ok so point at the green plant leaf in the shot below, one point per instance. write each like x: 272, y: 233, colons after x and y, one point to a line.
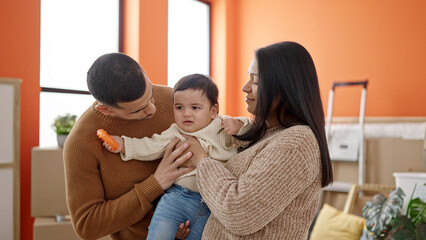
x: 64, y: 123
x: 417, y: 211
x: 404, y: 229
x: 421, y: 231
x: 380, y: 211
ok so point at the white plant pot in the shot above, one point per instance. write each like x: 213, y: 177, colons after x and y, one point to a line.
x: 61, y: 139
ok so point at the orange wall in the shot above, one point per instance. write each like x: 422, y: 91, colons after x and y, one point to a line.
x: 153, y: 39
x: 20, y: 58
x: 381, y: 40
x: 145, y: 36
x: 130, y: 29
x: 218, y: 58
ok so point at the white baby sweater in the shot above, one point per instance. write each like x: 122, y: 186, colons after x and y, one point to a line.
x: 217, y: 144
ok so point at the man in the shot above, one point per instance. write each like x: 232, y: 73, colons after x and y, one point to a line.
x: 105, y: 195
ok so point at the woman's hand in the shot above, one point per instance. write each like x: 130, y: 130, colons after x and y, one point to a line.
x: 195, y: 148
x: 167, y: 171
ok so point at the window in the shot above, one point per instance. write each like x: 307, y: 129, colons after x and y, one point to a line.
x: 189, y: 39
x: 73, y: 34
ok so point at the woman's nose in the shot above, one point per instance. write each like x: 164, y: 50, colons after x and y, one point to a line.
x: 246, y: 87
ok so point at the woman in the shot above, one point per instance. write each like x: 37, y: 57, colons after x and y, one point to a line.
x: 271, y: 189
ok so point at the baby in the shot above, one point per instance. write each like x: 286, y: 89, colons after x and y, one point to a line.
x: 196, y: 114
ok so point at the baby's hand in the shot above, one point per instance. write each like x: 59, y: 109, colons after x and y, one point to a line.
x: 231, y: 126
x: 120, y: 142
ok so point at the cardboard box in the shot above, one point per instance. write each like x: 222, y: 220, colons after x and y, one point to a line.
x: 47, y: 183
x: 46, y: 228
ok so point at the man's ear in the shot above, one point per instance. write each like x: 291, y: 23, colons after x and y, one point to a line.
x: 214, y: 111
x: 104, y: 109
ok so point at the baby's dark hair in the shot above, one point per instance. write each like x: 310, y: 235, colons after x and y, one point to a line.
x: 198, y: 82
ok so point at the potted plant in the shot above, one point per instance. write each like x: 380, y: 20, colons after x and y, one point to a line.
x: 62, y: 126
x: 385, y: 221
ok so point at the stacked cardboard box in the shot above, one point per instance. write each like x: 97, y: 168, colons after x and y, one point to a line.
x: 48, y: 228
x: 48, y: 197
x: 47, y: 183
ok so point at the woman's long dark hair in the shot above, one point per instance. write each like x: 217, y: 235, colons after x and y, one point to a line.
x: 287, y: 72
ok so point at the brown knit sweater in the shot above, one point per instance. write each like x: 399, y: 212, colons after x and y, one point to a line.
x: 269, y: 191
x: 106, y: 195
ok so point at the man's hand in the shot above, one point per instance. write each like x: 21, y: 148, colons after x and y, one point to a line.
x: 231, y: 126
x: 167, y: 171
x: 195, y: 148
x: 183, y: 230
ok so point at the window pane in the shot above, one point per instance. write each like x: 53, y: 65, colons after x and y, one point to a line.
x: 54, y: 104
x: 73, y: 34
x: 189, y: 39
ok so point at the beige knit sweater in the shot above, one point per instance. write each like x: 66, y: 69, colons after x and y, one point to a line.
x: 269, y: 191
x: 106, y: 195
x: 216, y: 143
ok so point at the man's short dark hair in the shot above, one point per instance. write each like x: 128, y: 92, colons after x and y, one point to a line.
x: 198, y: 82
x: 114, y: 78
